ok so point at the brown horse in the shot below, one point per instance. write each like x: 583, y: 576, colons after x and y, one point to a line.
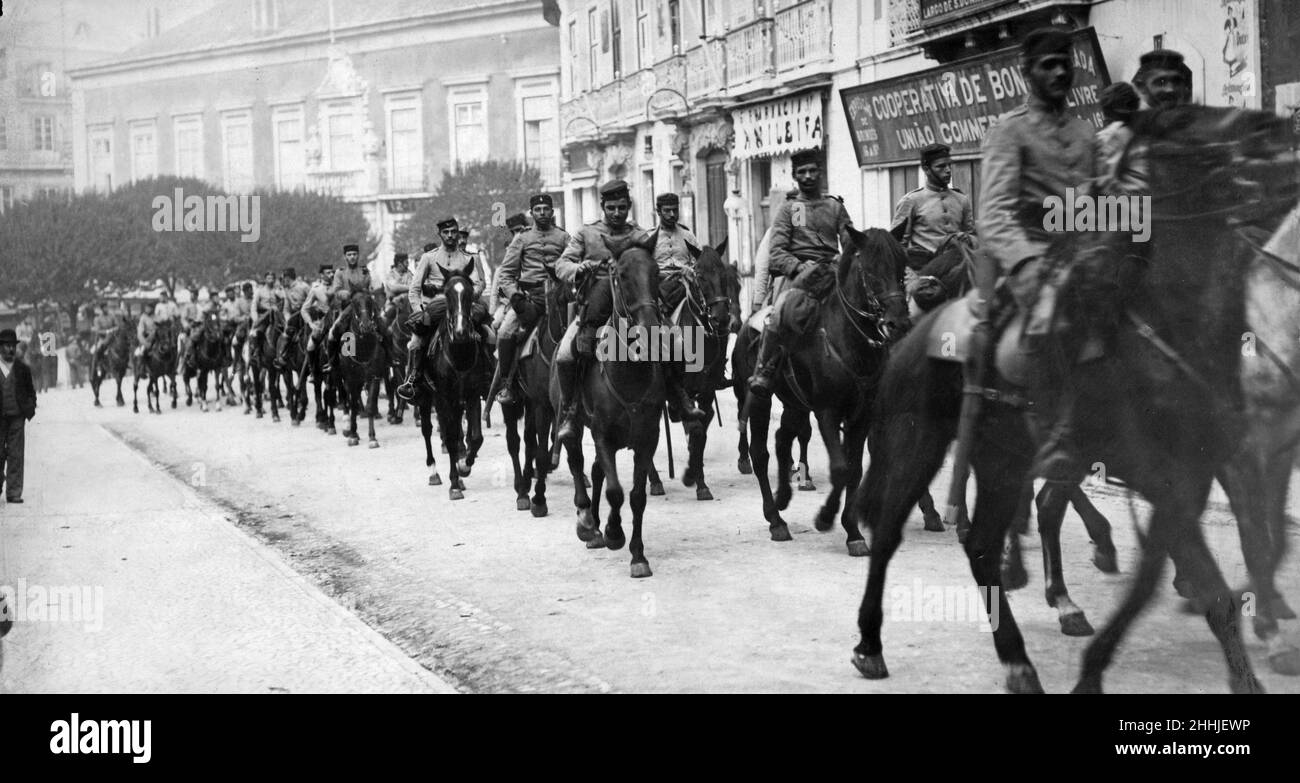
x: 207, y: 356
x: 159, y: 361
x: 1160, y: 407
x: 833, y: 373
x: 112, y: 360
x: 363, y: 364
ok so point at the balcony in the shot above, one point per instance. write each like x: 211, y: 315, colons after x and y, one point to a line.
x: 337, y: 183
x: 904, y: 19
x: 750, y: 55
x: 636, y: 89
x: 605, y: 108
x: 669, y: 74
x: 706, y: 71
x: 803, y: 35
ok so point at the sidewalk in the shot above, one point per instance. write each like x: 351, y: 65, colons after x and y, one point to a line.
x: 169, y: 596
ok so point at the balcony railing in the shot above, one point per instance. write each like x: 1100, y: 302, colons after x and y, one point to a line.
x: 749, y: 53
x: 337, y: 183
x: 549, y: 168
x: 904, y: 18
x: 803, y: 34
x: 669, y: 74
x: 706, y: 70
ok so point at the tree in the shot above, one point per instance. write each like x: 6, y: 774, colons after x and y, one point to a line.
x: 297, y: 229
x: 481, y: 195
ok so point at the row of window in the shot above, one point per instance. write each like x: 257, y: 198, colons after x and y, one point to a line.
x: 42, y: 134
x: 337, y: 146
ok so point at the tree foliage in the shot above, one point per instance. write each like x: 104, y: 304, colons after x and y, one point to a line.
x: 481, y: 195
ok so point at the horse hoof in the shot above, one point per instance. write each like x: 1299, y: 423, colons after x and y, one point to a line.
x: 121, y: 403
x: 354, y: 441
x: 1014, y: 577
x: 374, y: 444
x: 247, y: 411
x: 1285, y: 662
x: 463, y: 467
x: 275, y: 419
x: 435, y: 480
x: 823, y: 521
x: 135, y: 408
x: 807, y: 485
x: 615, y: 542
x: 858, y: 548
x: 870, y: 666
x: 780, y: 532
x: 745, y: 467
x: 1105, y: 561
x: 703, y: 493
x: 688, y: 478
x: 657, y: 489
x: 934, y: 523
x: 330, y: 431
x: 1076, y: 624
x: 597, y: 541
x: 538, y: 510
x: 296, y: 422
x: 456, y: 494
x: 641, y: 570
x: 98, y: 404
x: 522, y: 504
x: 1021, y: 678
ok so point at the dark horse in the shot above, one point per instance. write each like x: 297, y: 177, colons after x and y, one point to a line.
x: 705, y: 315
x: 261, y: 364
x: 532, y: 379
x: 1159, y: 408
x: 207, y: 355
x: 833, y: 373
x: 363, y: 364
x: 159, y: 361
x: 457, y: 372
x: 621, y: 402
x: 397, y: 355
x: 113, y: 359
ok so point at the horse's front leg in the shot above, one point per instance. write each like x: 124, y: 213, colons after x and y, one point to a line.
x: 474, y: 440
x: 373, y: 410
x: 784, y: 445
x: 855, y: 439
x: 135, y: 393
x: 423, y: 415
x: 829, y: 423
x: 512, y: 447
x: 643, y: 460
x: 697, y: 438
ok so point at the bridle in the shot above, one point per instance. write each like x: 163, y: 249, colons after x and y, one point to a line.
x: 873, y: 312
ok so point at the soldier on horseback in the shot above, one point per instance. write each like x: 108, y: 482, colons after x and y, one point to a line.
x: 528, y: 265
x: 191, y: 319
x: 805, y: 244
x: 1035, y: 152
x: 295, y: 295
x: 353, y: 278
x: 428, y: 302
x: 586, y: 256
x: 516, y: 224
x: 926, y: 221
x: 145, y: 330
x: 673, y: 245
x: 103, y: 326
x: 397, y: 282
x: 316, y: 306
x: 267, y: 298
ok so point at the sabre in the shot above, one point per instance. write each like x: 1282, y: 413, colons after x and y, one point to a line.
x: 668, y: 435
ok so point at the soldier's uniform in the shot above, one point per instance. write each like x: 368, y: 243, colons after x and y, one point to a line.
x: 145, y: 329
x: 500, y: 304
x: 191, y: 316
x: 673, y: 255
x: 294, y: 295
x: 348, y: 281
x: 804, y: 247
x: 927, y: 216
x: 315, y: 309
x: 1035, y: 151
x: 528, y: 265
x: 397, y: 282
x: 166, y: 310
x: 429, y: 302
x: 597, y: 304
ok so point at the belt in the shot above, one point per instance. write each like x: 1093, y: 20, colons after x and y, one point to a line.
x: 522, y: 286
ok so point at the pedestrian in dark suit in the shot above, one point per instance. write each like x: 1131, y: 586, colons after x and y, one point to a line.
x: 17, y: 405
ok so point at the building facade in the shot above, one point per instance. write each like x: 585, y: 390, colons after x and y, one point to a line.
x: 39, y: 43
x: 367, y: 101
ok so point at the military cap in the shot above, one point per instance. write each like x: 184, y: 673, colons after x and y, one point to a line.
x: 290, y: 272
x: 1162, y: 60
x: 400, y: 257
x: 540, y: 199
x: 1045, y: 41
x: 667, y: 200
x: 351, y: 247
x: 464, y: 232
x: 805, y: 157
x: 517, y: 221
x: 326, y: 268
x: 614, y: 189
x: 449, y: 222
x: 932, y: 152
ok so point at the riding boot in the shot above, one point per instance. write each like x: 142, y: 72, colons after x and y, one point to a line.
x: 506, y: 349
x: 680, y: 404
x: 568, y: 378
x: 414, y: 362
x: 770, y: 353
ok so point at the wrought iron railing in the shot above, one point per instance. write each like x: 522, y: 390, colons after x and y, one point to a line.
x: 803, y: 34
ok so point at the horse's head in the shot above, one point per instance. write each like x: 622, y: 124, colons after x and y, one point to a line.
x: 871, y: 272
x: 718, y: 282
x: 459, y: 291
x: 1212, y: 165
x: 634, y: 281
x: 363, y: 312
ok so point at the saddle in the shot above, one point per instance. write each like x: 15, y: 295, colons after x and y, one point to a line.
x: 949, y: 338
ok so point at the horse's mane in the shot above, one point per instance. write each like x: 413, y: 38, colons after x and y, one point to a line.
x: 877, y: 243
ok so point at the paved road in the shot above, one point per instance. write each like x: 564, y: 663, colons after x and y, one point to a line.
x: 215, y: 536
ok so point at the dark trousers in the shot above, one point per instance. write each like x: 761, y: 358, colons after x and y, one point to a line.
x: 11, y: 454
